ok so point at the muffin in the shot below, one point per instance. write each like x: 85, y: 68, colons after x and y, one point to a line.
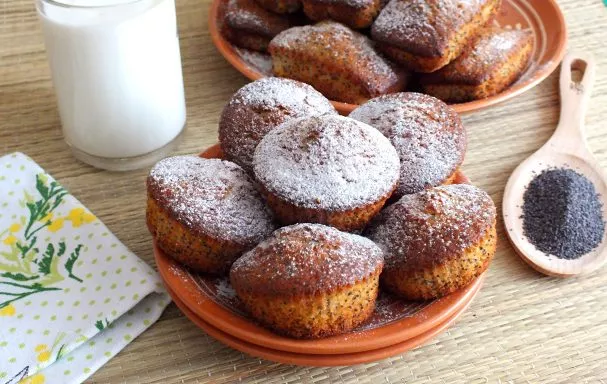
x: 486, y: 68
x: 425, y: 35
x: 280, y: 6
x: 356, y: 14
x: 205, y: 213
x: 250, y: 26
x: 427, y: 134
x: 261, y: 106
x: 309, y: 280
x: 342, y: 64
x: 328, y: 169
x: 435, y: 241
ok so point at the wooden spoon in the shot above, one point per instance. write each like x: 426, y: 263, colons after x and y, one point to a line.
x: 566, y: 148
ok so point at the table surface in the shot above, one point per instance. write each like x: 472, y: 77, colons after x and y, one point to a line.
x: 521, y: 327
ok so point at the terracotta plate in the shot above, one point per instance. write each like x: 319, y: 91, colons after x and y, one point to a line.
x: 394, y: 320
x: 543, y: 16
x: 318, y: 360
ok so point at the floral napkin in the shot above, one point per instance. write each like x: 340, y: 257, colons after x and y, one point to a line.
x: 71, y: 294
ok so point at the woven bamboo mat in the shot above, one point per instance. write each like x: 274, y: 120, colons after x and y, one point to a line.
x: 522, y: 327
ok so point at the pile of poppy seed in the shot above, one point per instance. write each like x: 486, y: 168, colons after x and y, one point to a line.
x: 562, y: 213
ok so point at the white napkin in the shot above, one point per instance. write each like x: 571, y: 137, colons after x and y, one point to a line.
x: 71, y: 294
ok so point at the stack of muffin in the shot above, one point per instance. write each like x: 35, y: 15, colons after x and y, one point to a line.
x: 361, y: 49
x: 310, y: 210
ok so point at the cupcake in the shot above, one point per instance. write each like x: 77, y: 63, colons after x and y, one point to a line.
x: 205, y: 213
x: 435, y: 241
x: 427, y: 134
x: 309, y: 280
x: 328, y: 169
x: 261, y: 106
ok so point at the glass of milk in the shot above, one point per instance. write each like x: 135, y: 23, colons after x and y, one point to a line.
x: 116, y: 70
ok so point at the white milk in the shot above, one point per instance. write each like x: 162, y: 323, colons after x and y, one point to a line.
x: 117, y: 75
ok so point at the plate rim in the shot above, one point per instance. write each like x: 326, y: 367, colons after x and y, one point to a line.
x: 181, y: 281
x: 226, y: 49
x: 315, y: 360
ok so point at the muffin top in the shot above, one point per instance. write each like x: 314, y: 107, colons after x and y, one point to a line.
x: 328, y: 162
x: 430, y: 227
x: 427, y: 134
x: 306, y: 259
x: 210, y: 197
x: 260, y: 106
x: 248, y: 16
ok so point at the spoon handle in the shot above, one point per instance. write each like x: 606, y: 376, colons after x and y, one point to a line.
x: 575, y: 97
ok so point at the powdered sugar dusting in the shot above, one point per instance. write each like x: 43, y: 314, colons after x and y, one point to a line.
x: 423, y: 27
x: 328, y: 162
x: 307, y: 258
x: 212, y: 196
x: 351, y: 49
x: 422, y: 227
x: 259, y: 61
x: 248, y: 16
x: 427, y: 134
x: 494, y: 48
x: 261, y: 106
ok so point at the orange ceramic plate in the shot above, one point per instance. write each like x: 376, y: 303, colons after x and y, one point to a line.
x: 544, y: 17
x: 312, y: 359
x: 394, y: 320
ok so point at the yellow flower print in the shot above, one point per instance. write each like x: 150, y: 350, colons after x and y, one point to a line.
x: 79, y: 216
x: 44, y: 356
x: 38, y: 378
x: 43, y: 353
x: 10, y: 240
x: 14, y: 228
x: 48, y: 217
x: 56, y: 225
x: 9, y: 310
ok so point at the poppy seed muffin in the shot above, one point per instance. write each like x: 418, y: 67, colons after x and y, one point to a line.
x: 427, y: 134
x: 205, y: 213
x: 328, y: 169
x: 435, y: 241
x: 280, y: 6
x: 309, y: 280
x: 248, y: 25
x: 426, y: 35
x: 485, y: 68
x: 261, y: 106
x: 340, y: 63
x: 356, y: 14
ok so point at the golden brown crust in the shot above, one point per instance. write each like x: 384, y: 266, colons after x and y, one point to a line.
x: 494, y: 62
x: 436, y: 240
x: 313, y: 317
x: 425, y: 35
x: 205, y: 212
x: 349, y: 220
x: 444, y: 278
x: 280, y: 6
x: 340, y: 63
x: 356, y: 14
x: 309, y: 280
x: 198, y: 251
x: 248, y: 25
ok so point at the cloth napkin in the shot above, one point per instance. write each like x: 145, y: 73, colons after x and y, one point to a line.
x: 71, y: 294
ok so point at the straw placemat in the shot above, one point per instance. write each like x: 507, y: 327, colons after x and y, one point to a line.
x: 521, y: 328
